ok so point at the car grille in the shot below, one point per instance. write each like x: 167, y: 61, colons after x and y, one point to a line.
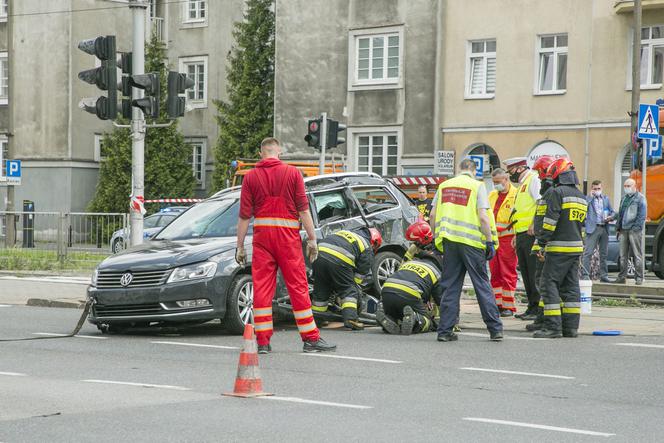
x: 126, y: 310
x: 141, y: 279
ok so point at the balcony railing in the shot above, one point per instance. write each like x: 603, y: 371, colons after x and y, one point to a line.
x: 627, y: 6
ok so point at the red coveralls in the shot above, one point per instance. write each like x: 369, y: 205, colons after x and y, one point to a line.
x: 273, y: 193
x: 503, y: 265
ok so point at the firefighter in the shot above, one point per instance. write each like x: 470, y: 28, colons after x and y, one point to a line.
x: 541, y: 166
x: 345, y: 257
x: 465, y: 230
x: 562, y: 239
x: 503, y: 265
x: 407, y: 295
x: 273, y: 193
x: 523, y: 214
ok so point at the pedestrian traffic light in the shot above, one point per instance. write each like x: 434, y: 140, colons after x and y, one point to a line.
x: 152, y: 86
x: 177, y: 84
x: 313, y: 133
x: 334, y: 129
x: 104, y: 77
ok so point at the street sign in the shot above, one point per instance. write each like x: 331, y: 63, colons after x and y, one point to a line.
x: 13, y: 172
x: 479, y: 166
x: 648, y: 121
x: 654, y: 147
x: 445, y: 163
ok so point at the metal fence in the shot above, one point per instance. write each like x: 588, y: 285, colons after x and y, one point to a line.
x: 79, y: 239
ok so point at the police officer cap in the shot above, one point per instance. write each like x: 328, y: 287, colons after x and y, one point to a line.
x: 515, y: 161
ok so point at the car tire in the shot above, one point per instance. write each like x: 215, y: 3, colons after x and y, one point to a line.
x: 118, y: 245
x: 240, y: 300
x: 385, y: 264
x: 660, y: 274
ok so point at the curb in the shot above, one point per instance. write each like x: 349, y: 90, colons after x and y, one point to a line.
x: 46, y: 303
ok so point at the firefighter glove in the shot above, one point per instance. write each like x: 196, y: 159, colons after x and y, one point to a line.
x: 490, y: 250
x: 241, y: 256
x: 312, y: 250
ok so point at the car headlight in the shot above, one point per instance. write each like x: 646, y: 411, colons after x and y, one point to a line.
x: 193, y: 272
x: 94, y: 277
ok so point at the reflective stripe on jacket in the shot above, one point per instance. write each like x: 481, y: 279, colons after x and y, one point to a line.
x: 524, y: 205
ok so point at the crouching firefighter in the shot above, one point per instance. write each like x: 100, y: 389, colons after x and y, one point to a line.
x: 407, y: 292
x: 343, y: 258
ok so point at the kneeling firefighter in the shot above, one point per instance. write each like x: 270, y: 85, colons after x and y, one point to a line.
x: 407, y: 292
x: 343, y: 258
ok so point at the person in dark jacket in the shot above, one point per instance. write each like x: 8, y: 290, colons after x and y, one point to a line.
x: 600, y: 213
x: 344, y: 258
x: 630, y: 225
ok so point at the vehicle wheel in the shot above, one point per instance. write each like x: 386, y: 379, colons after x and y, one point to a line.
x: 630, y: 268
x: 386, y: 264
x: 118, y: 245
x: 239, y: 311
x: 660, y: 274
x: 111, y: 328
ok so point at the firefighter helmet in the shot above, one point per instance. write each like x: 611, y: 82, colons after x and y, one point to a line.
x: 542, y: 164
x: 376, y: 239
x: 420, y: 233
x: 559, y: 166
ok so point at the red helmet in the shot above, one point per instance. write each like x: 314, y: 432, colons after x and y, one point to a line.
x: 420, y: 233
x: 559, y: 166
x: 376, y: 239
x: 542, y: 164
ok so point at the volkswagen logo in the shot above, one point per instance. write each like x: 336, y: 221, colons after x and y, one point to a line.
x: 126, y: 279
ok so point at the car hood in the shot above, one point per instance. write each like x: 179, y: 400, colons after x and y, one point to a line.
x: 162, y: 254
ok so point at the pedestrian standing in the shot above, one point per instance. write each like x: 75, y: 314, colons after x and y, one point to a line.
x: 630, y: 225
x: 503, y: 265
x: 423, y: 202
x: 600, y: 213
x: 464, y: 229
x: 523, y: 215
x: 562, y: 239
x: 273, y: 194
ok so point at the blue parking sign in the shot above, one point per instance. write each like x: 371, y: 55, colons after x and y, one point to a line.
x: 14, y: 168
x: 479, y: 166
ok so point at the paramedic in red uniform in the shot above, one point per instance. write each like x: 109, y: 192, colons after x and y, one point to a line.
x: 273, y: 194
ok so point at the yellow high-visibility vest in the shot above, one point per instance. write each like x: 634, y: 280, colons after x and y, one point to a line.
x: 505, y: 211
x: 524, y: 205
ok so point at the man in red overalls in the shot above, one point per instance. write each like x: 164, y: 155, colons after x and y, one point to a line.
x: 273, y: 193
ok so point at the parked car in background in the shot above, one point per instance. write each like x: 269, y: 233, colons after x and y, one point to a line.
x: 187, y: 272
x: 151, y: 225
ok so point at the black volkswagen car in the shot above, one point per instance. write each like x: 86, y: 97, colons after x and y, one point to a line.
x: 187, y: 272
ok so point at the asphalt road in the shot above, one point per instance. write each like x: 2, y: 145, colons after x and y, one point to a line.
x: 152, y: 387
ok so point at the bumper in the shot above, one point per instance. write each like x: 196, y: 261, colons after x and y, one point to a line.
x: 157, y: 304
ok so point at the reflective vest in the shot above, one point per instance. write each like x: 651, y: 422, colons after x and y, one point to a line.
x: 524, y: 205
x: 456, y: 213
x: 505, y: 211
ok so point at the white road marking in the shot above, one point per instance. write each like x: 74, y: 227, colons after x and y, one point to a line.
x: 6, y: 306
x: 640, y: 345
x: 535, y: 426
x: 54, y: 279
x: 13, y: 374
x: 316, y: 402
x: 346, y: 357
x: 52, y: 334
x: 196, y: 345
x: 142, y: 385
x: 507, y: 337
x: 532, y: 374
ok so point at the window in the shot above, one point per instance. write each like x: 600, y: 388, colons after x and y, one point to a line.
x: 4, y: 155
x: 197, y: 160
x: 4, y: 79
x: 333, y: 206
x: 195, y: 11
x: 98, y: 155
x: 374, y: 199
x: 552, y: 64
x: 3, y: 10
x: 196, y: 69
x: 481, y: 69
x: 378, y: 153
x: 377, y: 58
x: 652, y: 57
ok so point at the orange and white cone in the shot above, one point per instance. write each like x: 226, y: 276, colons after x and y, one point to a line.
x: 248, y: 382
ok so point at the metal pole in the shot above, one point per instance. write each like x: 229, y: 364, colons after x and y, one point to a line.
x: 138, y: 8
x: 636, y: 96
x: 10, y: 219
x: 323, y: 143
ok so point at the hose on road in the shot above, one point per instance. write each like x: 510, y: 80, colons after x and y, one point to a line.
x: 79, y: 325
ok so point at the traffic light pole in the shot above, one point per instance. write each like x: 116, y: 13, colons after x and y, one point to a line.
x: 323, y: 143
x: 138, y: 8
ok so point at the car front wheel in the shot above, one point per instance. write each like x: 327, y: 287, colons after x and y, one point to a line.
x: 239, y: 311
x: 386, y: 264
x: 118, y: 245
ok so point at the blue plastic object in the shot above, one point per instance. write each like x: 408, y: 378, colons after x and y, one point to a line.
x: 607, y: 332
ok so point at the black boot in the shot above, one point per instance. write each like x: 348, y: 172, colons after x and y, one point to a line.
x: 354, y: 324
x: 388, y: 324
x: 547, y: 333
x: 408, y: 321
x: 532, y: 327
x: 570, y: 333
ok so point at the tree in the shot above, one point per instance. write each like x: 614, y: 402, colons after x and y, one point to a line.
x: 247, y: 117
x: 168, y: 172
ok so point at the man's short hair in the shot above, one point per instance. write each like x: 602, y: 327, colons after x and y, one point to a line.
x: 467, y: 164
x: 270, y: 141
x: 423, y: 186
x: 596, y: 182
x: 498, y: 171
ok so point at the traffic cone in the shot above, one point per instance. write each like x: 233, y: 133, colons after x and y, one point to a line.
x: 248, y: 381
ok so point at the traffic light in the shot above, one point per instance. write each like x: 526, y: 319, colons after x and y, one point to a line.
x: 313, y: 133
x: 104, y: 77
x: 152, y: 85
x: 125, y: 64
x: 177, y: 84
x: 334, y: 129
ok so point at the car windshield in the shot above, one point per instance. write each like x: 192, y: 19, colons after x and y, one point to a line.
x: 151, y: 221
x: 214, y: 218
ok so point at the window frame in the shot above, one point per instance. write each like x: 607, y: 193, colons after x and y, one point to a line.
x: 4, y: 59
x: 198, y: 21
x: 4, y: 10
x: 98, y: 141
x: 193, y: 142
x: 385, y: 165
x: 354, y: 36
x: 468, y: 95
x: 353, y: 143
x: 184, y: 62
x: 4, y: 154
x: 630, y: 45
x: 555, y: 51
